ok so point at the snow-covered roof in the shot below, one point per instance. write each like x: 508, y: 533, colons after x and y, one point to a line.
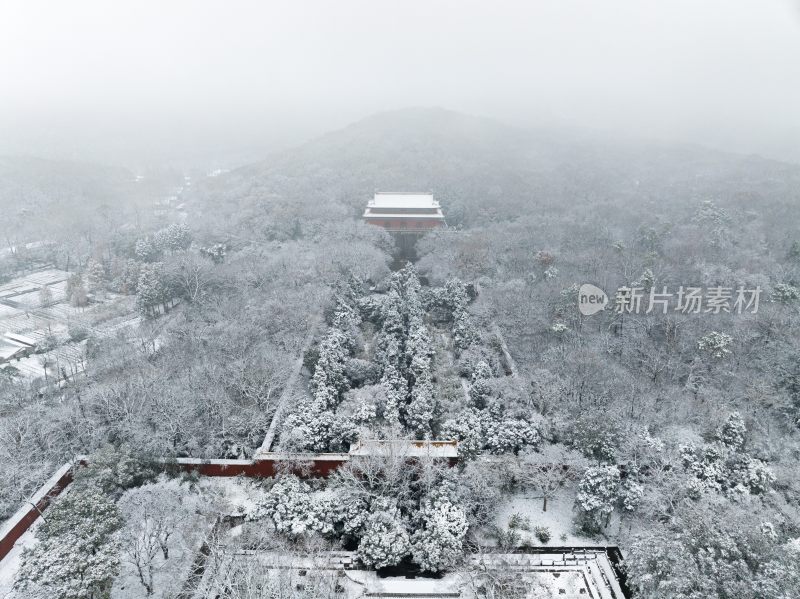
x: 398, y: 199
x: 8, y: 351
x: 405, y: 447
x: 402, y: 205
x: 19, y: 339
x: 402, y: 215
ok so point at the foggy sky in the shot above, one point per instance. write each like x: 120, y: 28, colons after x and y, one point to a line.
x: 145, y: 80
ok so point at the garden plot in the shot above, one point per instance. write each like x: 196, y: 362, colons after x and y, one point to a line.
x: 36, y: 307
x: 520, y: 516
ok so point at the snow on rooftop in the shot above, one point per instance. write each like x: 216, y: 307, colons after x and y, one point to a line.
x: 404, y: 447
x: 9, y: 350
x: 385, y: 199
x: 16, y: 339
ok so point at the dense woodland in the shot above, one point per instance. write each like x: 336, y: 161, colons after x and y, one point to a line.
x: 681, y: 429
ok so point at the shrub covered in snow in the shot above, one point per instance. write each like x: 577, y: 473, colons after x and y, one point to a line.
x: 385, y: 541
x: 77, y: 554
x: 294, y: 510
x: 437, y: 544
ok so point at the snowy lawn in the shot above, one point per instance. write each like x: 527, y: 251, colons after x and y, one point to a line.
x: 558, y: 517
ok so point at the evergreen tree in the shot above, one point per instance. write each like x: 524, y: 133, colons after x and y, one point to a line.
x: 76, y: 556
x: 480, y: 390
x: 127, y: 280
x: 216, y: 253
x: 437, y: 545
x: 420, y: 410
x: 329, y: 380
x: 509, y: 435
x: 385, y: 541
x: 293, y: 510
x: 76, y: 290
x: 146, y: 250
x: 152, y: 288
x: 95, y: 275
x: 467, y: 429
x: 173, y: 238
x: 731, y: 433
x: 396, y: 390
x: 598, y: 493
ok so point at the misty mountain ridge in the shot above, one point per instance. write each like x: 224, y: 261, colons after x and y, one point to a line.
x: 472, y: 160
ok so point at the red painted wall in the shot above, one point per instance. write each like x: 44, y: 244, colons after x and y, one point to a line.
x: 24, y: 523
x: 256, y: 468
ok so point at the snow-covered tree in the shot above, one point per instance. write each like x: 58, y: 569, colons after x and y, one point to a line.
x: 365, y: 411
x: 454, y: 297
x: 45, y: 296
x: 438, y: 544
x: 127, y: 279
x: 293, y: 510
x: 753, y: 475
x: 153, y: 289
x: 216, y: 253
x: 172, y: 238
x: 396, y: 390
x: 509, y: 435
x: 548, y: 470
x: 77, y: 553
x: 725, y: 466
x: 598, y: 493
x: 480, y: 389
x: 348, y: 320
x: 779, y: 577
x: 95, y: 275
x: 631, y: 494
x: 76, y: 290
x: 659, y: 565
x: 385, y: 540
x: 467, y: 429
x: 784, y: 293
x: 732, y: 432
x: 329, y: 380
x: 464, y: 331
x: 420, y: 410
x: 352, y: 512
x: 154, y: 514
x: 716, y: 344
x: 146, y: 250
x: 114, y: 470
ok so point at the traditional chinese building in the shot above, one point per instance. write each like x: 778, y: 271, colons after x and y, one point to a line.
x: 401, y: 212
x: 407, y: 216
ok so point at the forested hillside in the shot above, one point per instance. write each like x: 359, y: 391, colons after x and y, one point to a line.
x: 533, y: 216
x: 682, y: 425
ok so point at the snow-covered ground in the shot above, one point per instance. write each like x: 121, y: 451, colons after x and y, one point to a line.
x: 558, y: 518
x: 546, y: 576
x: 236, y: 495
x: 10, y: 563
x: 22, y: 313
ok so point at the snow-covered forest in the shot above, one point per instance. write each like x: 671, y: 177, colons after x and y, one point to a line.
x: 671, y: 435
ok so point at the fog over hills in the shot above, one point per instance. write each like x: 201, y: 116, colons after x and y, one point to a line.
x: 480, y: 162
x: 444, y: 298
